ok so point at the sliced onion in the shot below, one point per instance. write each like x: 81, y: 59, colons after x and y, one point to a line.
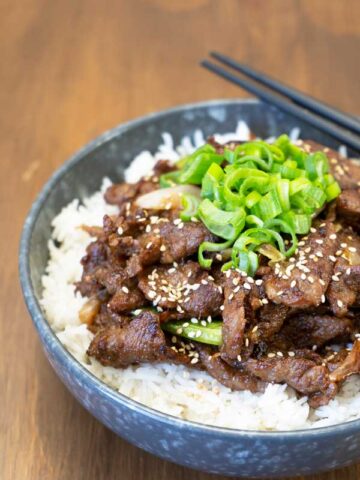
x: 271, y: 252
x: 89, y: 310
x: 166, y: 198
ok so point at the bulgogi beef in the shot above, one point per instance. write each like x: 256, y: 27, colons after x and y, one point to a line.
x: 278, y: 326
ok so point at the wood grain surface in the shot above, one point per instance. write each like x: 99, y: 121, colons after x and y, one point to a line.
x: 73, y: 68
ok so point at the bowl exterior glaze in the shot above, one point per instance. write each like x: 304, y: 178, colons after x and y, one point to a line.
x: 211, y: 449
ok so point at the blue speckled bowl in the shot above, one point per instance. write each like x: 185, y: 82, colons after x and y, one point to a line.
x: 216, y: 450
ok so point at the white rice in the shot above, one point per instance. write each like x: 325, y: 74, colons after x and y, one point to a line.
x: 176, y: 390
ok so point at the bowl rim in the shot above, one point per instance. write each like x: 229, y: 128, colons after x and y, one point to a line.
x: 71, y: 364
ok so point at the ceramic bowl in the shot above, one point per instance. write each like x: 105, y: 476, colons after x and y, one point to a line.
x: 211, y: 449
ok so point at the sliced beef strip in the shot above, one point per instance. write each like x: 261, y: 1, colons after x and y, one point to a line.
x: 96, y: 255
x: 271, y: 318
x: 318, y: 399
x: 348, y: 207
x: 164, y: 166
x: 305, y: 330
x: 349, y: 366
x: 187, y: 288
x: 181, y: 240
x: 234, y: 316
x: 303, y: 374
x: 344, y: 288
x: 242, y: 299
x: 126, y: 299
x: 120, y: 193
x: 231, y: 377
x: 346, y: 171
x: 141, y: 340
x: 105, y: 318
x: 301, y: 282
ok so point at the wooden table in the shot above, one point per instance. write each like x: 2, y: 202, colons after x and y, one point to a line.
x: 71, y: 69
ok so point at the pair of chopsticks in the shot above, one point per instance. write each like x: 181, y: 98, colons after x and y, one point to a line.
x: 339, y: 125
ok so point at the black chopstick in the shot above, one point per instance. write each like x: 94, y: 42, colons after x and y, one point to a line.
x: 310, y: 103
x: 332, y: 129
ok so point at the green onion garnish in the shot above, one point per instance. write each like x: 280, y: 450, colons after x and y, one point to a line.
x: 210, y: 333
x: 254, y: 198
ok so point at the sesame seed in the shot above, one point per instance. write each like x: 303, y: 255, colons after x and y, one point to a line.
x: 198, y: 333
x: 279, y: 354
x: 348, y: 271
x: 162, y: 248
x: 191, y: 334
x: 247, y: 286
x: 319, y: 241
x: 279, y: 293
x: 352, y: 249
x: 265, y: 301
x: 125, y: 289
x: 237, y: 289
x: 303, y: 276
x: 235, y: 281
x: 120, y: 230
x: 222, y: 307
x: 271, y: 355
x: 321, y: 281
x: 291, y: 354
x: 180, y: 330
x: 152, y: 294
x: 239, y: 358
x: 312, y: 230
x: 194, y: 360
x: 194, y: 320
x: 246, y: 342
x: 323, y: 298
x: 174, y: 339
x: 293, y: 283
x: 310, y: 279
x: 343, y: 245
x: 203, y: 323
x: 335, y: 278
x: 340, y: 303
x: 231, y: 296
x: 319, y: 254
x: 177, y: 221
x: 332, y: 258
x: 258, y: 282
x: 332, y: 236
x: 255, y: 329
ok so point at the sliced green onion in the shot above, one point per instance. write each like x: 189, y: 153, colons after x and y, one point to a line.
x: 268, y: 207
x: 210, y: 186
x: 190, y: 204
x: 210, y: 247
x: 169, y: 179
x: 254, y: 197
x: 226, y: 225
x: 210, y: 334
x: 299, y: 222
x: 332, y: 191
